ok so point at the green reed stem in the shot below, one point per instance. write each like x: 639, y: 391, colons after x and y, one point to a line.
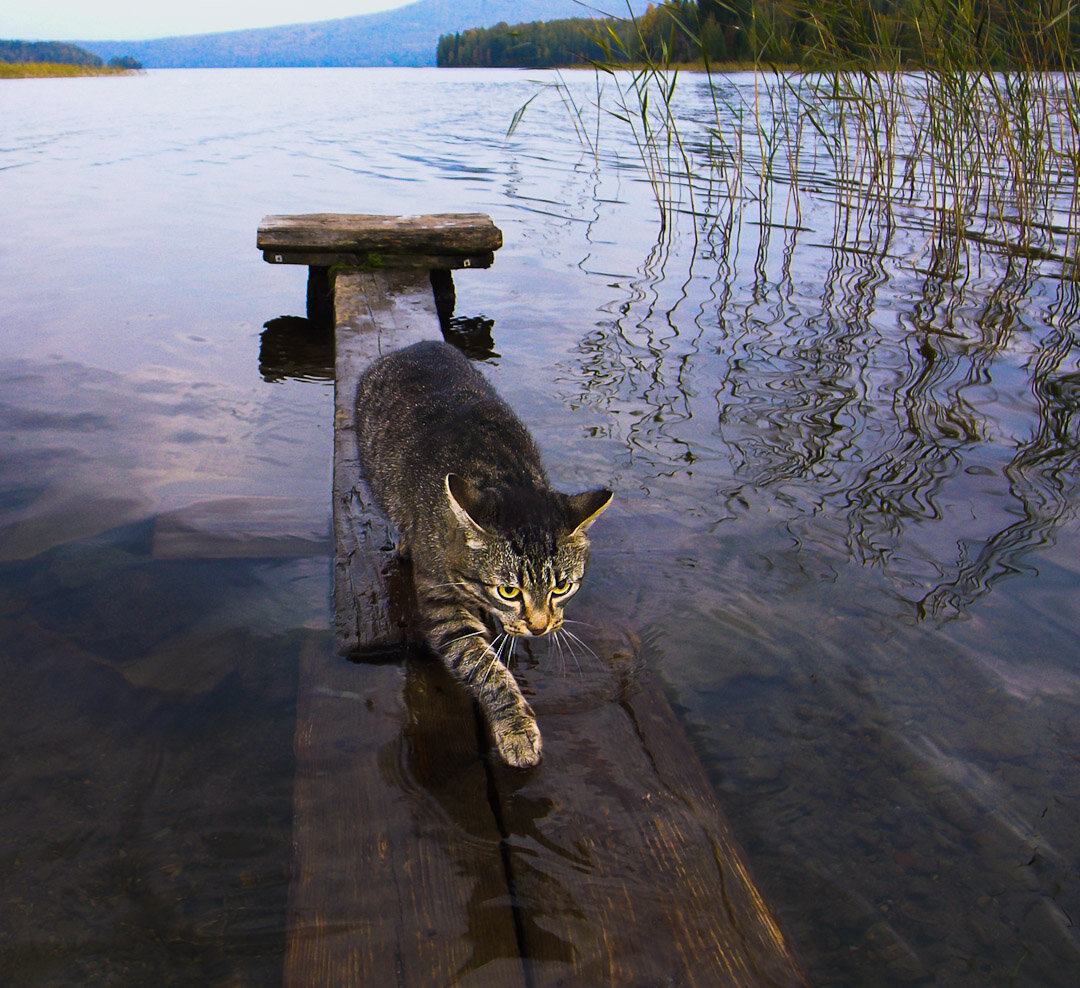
x: 970, y: 120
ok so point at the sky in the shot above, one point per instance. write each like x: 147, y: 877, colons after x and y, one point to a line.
x: 109, y: 20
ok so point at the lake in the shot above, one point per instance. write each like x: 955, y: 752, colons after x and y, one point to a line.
x: 845, y: 528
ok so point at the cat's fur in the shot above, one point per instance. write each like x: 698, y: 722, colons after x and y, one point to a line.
x: 494, y: 549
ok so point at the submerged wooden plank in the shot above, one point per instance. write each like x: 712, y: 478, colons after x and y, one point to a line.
x: 237, y: 528
x: 435, y: 233
x: 624, y: 868
x: 398, y: 877
x: 397, y: 874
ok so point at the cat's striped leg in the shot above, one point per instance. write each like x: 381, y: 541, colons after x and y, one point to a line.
x: 467, y: 651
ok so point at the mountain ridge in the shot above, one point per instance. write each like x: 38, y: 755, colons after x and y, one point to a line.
x: 404, y: 36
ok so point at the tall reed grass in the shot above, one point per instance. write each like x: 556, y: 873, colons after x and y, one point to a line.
x: 967, y: 124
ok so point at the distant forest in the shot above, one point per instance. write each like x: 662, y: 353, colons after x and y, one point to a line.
x: 47, y: 51
x: 548, y: 44
x: 807, y: 33
x: 57, y: 53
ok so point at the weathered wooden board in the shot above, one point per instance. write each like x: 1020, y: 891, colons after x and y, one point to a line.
x: 375, y: 312
x: 624, y: 868
x: 441, y: 240
x: 398, y: 877
x: 376, y: 260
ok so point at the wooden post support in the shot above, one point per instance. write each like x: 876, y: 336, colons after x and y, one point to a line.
x: 421, y: 861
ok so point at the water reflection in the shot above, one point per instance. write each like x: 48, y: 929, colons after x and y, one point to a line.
x: 297, y: 348
x: 876, y: 415
x: 302, y: 348
x: 1043, y: 481
x: 472, y: 335
x: 885, y: 448
x: 846, y: 519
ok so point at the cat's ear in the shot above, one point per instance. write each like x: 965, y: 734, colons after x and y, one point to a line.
x: 583, y: 508
x: 465, y: 502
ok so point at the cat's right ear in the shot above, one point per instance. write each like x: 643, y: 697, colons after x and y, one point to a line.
x: 585, y: 507
x: 465, y: 503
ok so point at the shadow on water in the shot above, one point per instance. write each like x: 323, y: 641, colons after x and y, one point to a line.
x: 297, y: 348
x: 301, y: 348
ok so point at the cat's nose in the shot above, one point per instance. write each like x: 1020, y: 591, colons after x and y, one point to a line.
x: 539, y: 624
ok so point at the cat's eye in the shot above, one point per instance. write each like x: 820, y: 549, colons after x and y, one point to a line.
x: 508, y: 593
x: 561, y: 589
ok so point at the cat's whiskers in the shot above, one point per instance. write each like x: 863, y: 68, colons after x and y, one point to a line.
x: 481, y: 680
x: 569, y: 634
x: 564, y: 643
x: 489, y: 649
x: 511, y: 644
x: 502, y: 643
x: 461, y: 638
x: 557, y: 645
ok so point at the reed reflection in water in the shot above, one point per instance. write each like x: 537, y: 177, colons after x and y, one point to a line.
x: 884, y: 574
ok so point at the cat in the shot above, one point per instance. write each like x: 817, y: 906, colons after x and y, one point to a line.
x: 496, y: 552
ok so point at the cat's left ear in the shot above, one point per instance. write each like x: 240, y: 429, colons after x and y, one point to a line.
x: 583, y: 508
x: 465, y: 502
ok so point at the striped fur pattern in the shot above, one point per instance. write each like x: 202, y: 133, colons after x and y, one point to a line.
x: 496, y: 553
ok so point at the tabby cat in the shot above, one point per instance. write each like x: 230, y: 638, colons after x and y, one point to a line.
x: 496, y: 553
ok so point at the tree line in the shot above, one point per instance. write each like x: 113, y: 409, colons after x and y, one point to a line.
x: 667, y: 28
x: 807, y: 33
x: 57, y: 53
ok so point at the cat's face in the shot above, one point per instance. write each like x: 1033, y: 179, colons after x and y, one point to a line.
x: 524, y: 574
x: 527, y: 594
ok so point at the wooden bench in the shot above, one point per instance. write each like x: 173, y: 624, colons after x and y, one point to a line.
x: 419, y: 860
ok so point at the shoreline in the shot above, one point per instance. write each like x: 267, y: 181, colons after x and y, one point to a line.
x: 57, y: 70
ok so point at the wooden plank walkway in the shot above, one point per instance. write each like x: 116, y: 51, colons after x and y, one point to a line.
x: 389, y: 887
x: 421, y: 861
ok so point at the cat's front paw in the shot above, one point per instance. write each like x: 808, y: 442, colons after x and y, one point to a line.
x: 517, y: 739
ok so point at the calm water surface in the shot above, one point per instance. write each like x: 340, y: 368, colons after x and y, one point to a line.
x: 846, y: 521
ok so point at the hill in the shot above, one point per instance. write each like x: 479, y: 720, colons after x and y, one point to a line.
x: 406, y: 36
x: 55, y: 52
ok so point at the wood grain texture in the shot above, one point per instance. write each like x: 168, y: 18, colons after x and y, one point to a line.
x: 398, y: 876
x: 624, y: 868
x: 375, y: 312
x: 434, y: 233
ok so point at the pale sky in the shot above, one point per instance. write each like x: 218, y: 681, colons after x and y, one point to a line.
x: 108, y: 20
